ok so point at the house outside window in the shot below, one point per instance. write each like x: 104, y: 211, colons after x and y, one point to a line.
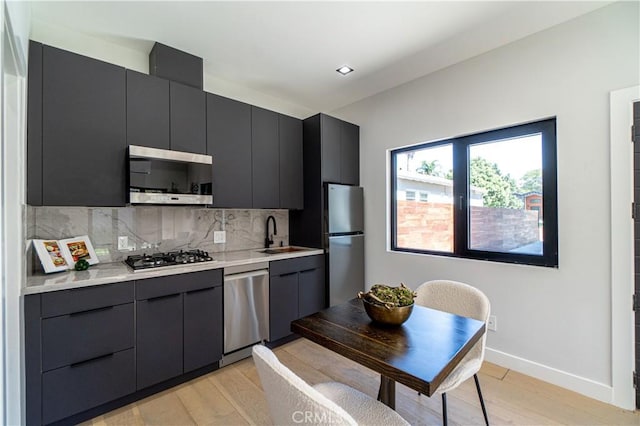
x: 490, y: 196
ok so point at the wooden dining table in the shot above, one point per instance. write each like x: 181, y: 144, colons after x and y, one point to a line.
x: 419, y: 354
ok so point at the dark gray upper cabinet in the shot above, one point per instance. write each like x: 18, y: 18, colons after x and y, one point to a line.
x: 188, y: 119
x: 340, y: 151
x: 83, y: 131
x: 311, y: 297
x: 147, y: 110
x: 229, y: 142
x: 330, y: 134
x: 265, y: 158
x: 34, y: 125
x: 165, y: 114
x: 291, y: 171
x: 350, y: 154
x: 331, y: 154
x: 176, y: 65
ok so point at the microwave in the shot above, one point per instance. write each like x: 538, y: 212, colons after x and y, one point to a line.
x: 162, y: 176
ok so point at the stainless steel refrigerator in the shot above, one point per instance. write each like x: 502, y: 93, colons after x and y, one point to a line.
x: 344, y: 241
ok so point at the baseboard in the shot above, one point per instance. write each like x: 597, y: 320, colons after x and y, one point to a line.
x: 581, y: 385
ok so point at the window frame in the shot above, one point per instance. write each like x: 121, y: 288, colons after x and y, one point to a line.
x: 461, y: 194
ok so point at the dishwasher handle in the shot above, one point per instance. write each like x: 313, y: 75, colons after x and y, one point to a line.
x: 243, y: 275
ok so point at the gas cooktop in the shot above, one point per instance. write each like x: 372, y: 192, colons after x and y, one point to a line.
x: 158, y: 260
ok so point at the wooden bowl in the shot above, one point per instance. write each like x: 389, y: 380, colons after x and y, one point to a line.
x: 382, y: 315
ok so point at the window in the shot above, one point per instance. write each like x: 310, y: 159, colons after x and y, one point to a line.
x: 409, y: 195
x: 491, y: 196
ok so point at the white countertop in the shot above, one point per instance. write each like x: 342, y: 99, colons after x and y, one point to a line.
x: 108, y: 273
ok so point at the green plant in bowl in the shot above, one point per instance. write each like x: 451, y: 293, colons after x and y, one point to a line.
x: 388, y: 305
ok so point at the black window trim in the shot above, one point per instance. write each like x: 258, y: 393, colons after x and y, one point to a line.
x: 547, y: 128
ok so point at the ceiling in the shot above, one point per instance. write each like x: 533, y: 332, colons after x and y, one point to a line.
x: 290, y: 50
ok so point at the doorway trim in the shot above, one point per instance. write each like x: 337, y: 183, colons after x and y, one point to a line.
x: 622, y: 318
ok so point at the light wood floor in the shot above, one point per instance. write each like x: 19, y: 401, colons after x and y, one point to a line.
x: 233, y: 396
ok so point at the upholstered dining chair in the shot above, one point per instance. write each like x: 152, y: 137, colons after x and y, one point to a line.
x: 464, y: 300
x: 292, y: 401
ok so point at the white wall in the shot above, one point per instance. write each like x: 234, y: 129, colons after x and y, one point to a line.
x: 13, y: 54
x: 553, y: 323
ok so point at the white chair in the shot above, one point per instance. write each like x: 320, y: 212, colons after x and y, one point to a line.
x: 293, y: 401
x: 460, y: 299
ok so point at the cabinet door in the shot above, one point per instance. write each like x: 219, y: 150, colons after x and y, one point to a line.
x: 202, y: 327
x: 69, y: 390
x: 147, y: 110
x: 34, y: 125
x: 291, y: 172
x: 188, y: 119
x: 350, y: 154
x: 330, y: 133
x: 159, y: 339
x: 78, y: 337
x: 83, y: 131
x: 283, y: 304
x: 229, y: 142
x: 311, y: 291
x: 265, y: 158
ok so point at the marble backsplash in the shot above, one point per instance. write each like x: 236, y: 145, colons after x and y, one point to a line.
x: 152, y: 229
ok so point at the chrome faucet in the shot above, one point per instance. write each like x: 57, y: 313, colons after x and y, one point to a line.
x: 268, y: 240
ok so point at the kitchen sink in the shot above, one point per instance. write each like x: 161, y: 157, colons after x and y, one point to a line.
x: 280, y: 250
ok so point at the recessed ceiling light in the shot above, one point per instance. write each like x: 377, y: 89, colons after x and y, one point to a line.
x: 344, y: 70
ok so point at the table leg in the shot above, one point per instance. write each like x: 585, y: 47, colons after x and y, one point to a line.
x: 387, y: 392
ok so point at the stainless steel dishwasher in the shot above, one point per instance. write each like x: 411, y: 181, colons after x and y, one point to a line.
x: 246, y: 310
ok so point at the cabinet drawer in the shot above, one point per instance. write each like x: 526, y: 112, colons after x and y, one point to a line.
x: 70, y: 390
x: 77, y: 337
x: 84, y: 299
x: 297, y: 264
x: 173, y: 284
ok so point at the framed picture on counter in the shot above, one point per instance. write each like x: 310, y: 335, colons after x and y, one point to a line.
x: 74, y: 249
x: 51, y: 255
x: 60, y: 255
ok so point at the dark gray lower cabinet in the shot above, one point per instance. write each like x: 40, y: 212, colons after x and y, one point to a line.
x: 202, y: 327
x: 95, y: 345
x: 311, y: 297
x: 283, y: 304
x: 78, y: 387
x: 296, y: 289
x: 178, y: 325
x: 158, y: 339
x: 100, y: 331
x: 79, y: 350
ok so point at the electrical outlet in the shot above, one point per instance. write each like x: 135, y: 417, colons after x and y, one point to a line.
x: 492, y: 324
x: 219, y: 237
x: 123, y: 243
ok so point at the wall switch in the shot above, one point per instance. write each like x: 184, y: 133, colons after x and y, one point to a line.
x: 492, y: 324
x: 123, y: 243
x: 219, y: 237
